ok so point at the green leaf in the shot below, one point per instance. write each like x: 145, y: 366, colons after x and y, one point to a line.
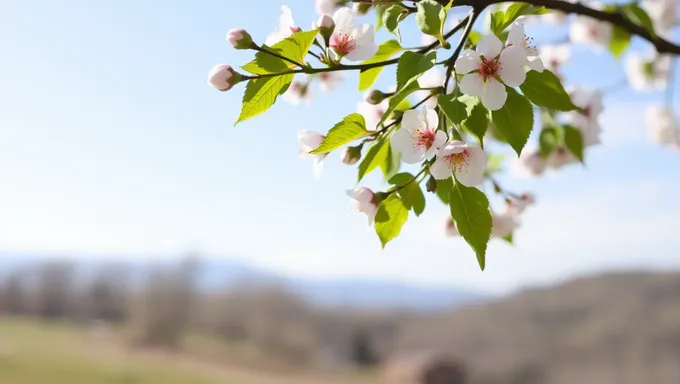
x: 391, y: 164
x: 385, y: 52
x: 375, y: 156
x: 520, y: 9
x: 444, y: 188
x: 352, y: 127
x: 509, y: 238
x: 391, y: 216
x: 261, y: 94
x: 430, y: 16
x: 411, y: 194
x: 545, y: 90
x: 470, y: 210
x: 573, y: 139
x: 474, y: 37
x: 478, y: 122
x: 619, y: 42
x: 411, y: 65
x: 497, y: 22
x: 397, y: 99
x: 379, y: 11
x: 515, y: 120
x: 391, y: 18
x: 548, y: 141
x: 454, y: 109
x: 638, y: 16
x: 403, y: 105
x: 294, y: 47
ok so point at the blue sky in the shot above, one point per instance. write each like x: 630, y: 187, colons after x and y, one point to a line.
x: 112, y: 143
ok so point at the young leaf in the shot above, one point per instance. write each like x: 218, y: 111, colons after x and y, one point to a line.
x: 509, y: 238
x: 638, y: 16
x: 352, y: 127
x: 494, y: 163
x: 294, y: 47
x: 444, y: 188
x: 392, y: 163
x: 573, y: 139
x: 515, y: 120
x: 379, y: 12
x: 497, y: 22
x: 470, y: 210
x: 385, y: 52
x: 411, y: 194
x: 520, y: 9
x: 474, y: 37
x: 391, y: 18
x: 400, y: 179
x: 478, y: 122
x: 411, y: 65
x: 548, y: 141
x: 391, y: 216
x: 619, y: 42
x: 453, y: 108
x: 375, y: 156
x: 545, y: 90
x: 430, y: 16
x: 261, y: 94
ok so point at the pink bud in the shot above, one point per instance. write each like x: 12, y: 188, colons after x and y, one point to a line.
x: 239, y: 38
x: 325, y: 21
x: 222, y: 77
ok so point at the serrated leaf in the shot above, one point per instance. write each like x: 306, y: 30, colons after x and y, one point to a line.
x: 430, y: 16
x: 385, y: 52
x: 375, y: 156
x: 413, y: 198
x: 392, y: 17
x: 261, y: 94
x: 619, y: 42
x: 520, y: 9
x: 294, y: 47
x: 400, y: 179
x: 497, y: 22
x: 411, y: 65
x: 638, y: 16
x: 390, y: 218
x: 548, y: 141
x: 379, y: 11
x: 545, y: 90
x: 515, y: 120
x: 351, y: 127
x: 470, y: 210
x: 443, y: 191
x: 392, y: 163
x: 573, y: 139
x: 478, y: 122
x: 454, y: 109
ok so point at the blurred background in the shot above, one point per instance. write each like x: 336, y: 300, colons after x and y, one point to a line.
x: 144, y: 239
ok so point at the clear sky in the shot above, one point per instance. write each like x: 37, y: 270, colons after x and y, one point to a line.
x: 111, y: 142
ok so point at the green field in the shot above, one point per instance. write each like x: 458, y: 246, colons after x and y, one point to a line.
x: 46, y: 353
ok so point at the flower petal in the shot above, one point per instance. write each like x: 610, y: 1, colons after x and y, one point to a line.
x: 473, y: 173
x: 440, y: 169
x: 318, y: 165
x: 467, y: 62
x: 516, y: 34
x: 440, y: 139
x: 431, y: 118
x: 494, y: 95
x: 512, y: 72
x: 471, y: 84
x: 536, y: 64
x: 412, y: 119
x: 413, y: 155
x: 402, y: 140
x: 344, y: 20
x: 366, y: 46
x: 489, y: 46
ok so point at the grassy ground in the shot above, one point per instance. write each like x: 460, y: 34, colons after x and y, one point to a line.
x: 38, y: 353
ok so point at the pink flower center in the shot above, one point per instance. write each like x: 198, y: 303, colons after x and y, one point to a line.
x: 342, y: 43
x: 489, y: 69
x: 592, y: 33
x: 458, y: 161
x: 324, y: 75
x: 423, y: 138
x: 588, y: 111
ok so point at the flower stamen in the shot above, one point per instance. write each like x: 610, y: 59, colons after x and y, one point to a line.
x: 459, y: 162
x: 342, y: 43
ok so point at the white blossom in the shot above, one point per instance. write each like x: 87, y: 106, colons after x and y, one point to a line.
x: 467, y: 161
x: 588, y: 120
x: 350, y: 41
x: 329, y: 80
x: 517, y: 37
x: 554, y: 56
x: 522, y: 202
x: 664, y: 127
x: 326, y: 7
x: 664, y: 13
x: 307, y: 142
x: 418, y: 137
x: 487, y: 65
x: 364, y: 201
x: 530, y: 163
x: 590, y: 31
x: 561, y: 157
x: 648, y: 73
x: 297, y: 93
x: 373, y: 113
x: 450, y: 229
x: 503, y: 224
x: 285, y: 28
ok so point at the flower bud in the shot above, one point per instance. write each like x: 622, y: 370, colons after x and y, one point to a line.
x: 374, y: 97
x: 351, y: 155
x: 326, y: 27
x: 239, y: 39
x: 222, y: 77
x: 431, y: 184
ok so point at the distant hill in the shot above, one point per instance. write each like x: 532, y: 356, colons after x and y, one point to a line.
x: 620, y: 328
x: 217, y: 273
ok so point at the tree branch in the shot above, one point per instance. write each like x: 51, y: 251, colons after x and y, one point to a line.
x: 662, y: 45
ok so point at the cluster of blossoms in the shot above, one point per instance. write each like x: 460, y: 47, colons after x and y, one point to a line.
x: 484, y: 74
